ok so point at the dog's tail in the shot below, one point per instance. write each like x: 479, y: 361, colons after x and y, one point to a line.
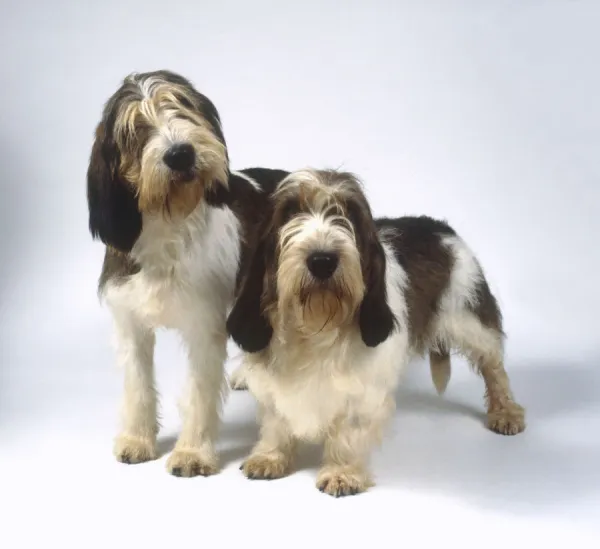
x: 439, y: 362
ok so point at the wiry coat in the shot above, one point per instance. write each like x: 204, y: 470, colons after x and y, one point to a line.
x: 326, y: 348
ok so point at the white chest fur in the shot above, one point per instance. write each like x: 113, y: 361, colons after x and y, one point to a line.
x: 188, y: 269
x: 328, y: 379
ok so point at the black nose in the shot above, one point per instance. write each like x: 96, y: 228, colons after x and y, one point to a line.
x: 322, y: 264
x: 180, y: 157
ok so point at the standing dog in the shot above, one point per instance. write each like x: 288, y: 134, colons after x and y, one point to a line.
x: 176, y: 224
x: 331, y: 309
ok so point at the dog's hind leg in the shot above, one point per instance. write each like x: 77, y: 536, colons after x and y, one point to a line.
x: 504, y: 415
x: 484, y: 348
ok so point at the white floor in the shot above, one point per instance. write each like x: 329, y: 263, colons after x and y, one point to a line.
x: 440, y: 474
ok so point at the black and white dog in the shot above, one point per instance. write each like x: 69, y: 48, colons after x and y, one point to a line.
x: 332, y: 306
x: 176, y: 223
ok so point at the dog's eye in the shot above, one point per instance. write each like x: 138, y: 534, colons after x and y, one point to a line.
x: 141, y: 126
x: 135, y: 134
x: 289, y: 210
x: 185, y: 102
x: 188, y: 118
x: 340, y: 221
x: 142, y: 132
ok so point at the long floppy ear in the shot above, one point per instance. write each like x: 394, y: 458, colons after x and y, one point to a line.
x: 247, y: 323
x: 219, y: 194
x: 376, y: 319
x: 114, y: 216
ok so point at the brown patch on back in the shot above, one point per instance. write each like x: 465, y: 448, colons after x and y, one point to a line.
x: 428, y: 278
x: 428, y: 263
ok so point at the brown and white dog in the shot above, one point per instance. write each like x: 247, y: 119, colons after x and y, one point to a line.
x: 176, y: 223
x: 332, y: 307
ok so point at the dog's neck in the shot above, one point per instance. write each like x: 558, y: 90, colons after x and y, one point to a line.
x: 296, y: 352
x: 167, y: 245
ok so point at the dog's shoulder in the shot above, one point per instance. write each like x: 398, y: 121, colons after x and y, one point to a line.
x: 415, y: 239
x: 117, y: 266
x: 263, y: 179
x: 250, y: 189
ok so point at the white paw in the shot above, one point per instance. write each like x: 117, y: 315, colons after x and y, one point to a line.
x: 131, y: 449
x: 237, y: 379
x: 191, y: 463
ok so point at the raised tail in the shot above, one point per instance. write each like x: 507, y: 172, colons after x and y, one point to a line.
x: 439, y: 363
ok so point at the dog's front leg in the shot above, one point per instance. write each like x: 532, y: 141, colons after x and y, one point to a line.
x: 348, y: 445
x: 136, y: 442
x: 237, y: 379
x: 195, y: 453
x: 272, y: 455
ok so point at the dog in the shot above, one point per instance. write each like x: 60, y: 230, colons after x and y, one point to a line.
x: 177, y: 223
x: 331, y: 309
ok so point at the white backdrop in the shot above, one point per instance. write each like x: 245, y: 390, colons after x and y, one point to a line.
x: 483, y: 112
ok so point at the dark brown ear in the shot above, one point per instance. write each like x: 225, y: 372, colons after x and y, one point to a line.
x: 247, y: 323
x: 376, y: 319
x: 114, y: 216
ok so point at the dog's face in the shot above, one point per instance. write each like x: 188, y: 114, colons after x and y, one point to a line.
x: 318, y: 265
x: 158, y: 150
x: 315, y: 275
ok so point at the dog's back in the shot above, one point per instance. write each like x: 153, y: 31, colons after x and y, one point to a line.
x: 443, y: 275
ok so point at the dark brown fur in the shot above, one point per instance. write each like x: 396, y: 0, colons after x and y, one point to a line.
x: 417, y: 243
x: 251, y: 207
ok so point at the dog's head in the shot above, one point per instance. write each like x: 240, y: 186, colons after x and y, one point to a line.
x: 318, y: 265
x: 159, y: 149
